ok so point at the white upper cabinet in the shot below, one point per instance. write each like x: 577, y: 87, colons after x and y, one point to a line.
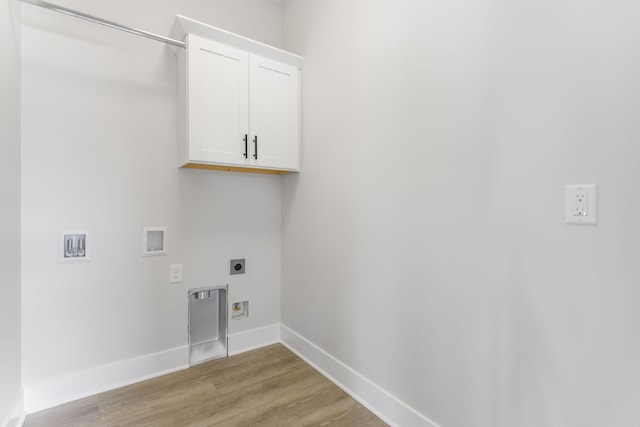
x: 218, y: 102
x: 273, y: 113
x: 239, y: 102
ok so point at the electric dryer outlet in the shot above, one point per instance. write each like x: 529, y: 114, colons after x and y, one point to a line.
x: 237, y: 266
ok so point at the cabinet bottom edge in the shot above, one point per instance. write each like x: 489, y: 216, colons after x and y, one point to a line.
x: 234, y: 169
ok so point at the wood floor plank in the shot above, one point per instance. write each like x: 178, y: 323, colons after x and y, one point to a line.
x: 256, y: 395
x: 267, y: 387
x: 289, y: 409
x: 238, y: 379
x: 64, y: 414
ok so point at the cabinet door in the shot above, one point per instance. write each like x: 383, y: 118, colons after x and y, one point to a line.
x: 274, y: 111
x: 218, y: 102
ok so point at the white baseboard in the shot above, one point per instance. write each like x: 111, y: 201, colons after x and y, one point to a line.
x: 387, y: 407
x: 16, y: 415
x: 80, y: 384
x: 254, y: 338
x: 77, y: 385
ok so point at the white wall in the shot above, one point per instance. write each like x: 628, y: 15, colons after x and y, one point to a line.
x: 99, y: 153
x: 10, y: 381
x: 424, y: 244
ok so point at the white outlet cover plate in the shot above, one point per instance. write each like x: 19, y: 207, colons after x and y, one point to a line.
x: 175, y: 273
x: 581, y: 204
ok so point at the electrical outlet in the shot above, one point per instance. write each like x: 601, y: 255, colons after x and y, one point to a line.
x: 175, y: 273
x: 581, y: 204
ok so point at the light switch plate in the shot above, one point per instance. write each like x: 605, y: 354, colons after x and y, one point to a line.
x: 581, y: 204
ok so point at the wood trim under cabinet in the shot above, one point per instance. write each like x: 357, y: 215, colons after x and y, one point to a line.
x: 233, y: 169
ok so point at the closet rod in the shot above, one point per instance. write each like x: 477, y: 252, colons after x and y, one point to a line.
x: 104, y: 22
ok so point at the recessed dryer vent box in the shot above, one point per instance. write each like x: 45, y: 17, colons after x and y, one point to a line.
x: 154, y: 241
x: 207, y: 324
x: 74, y: 246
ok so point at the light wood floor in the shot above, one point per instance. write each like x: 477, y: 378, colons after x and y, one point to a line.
x: 266, y: 387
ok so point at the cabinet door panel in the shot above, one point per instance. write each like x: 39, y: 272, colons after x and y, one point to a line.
x: 274, y: 112
x: 218, y: 102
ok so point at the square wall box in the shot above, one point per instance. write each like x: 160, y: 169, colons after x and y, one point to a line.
x: 237, y: 266
x: 74, y: 246
x: 154, y: 241
x: 239, y: 310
